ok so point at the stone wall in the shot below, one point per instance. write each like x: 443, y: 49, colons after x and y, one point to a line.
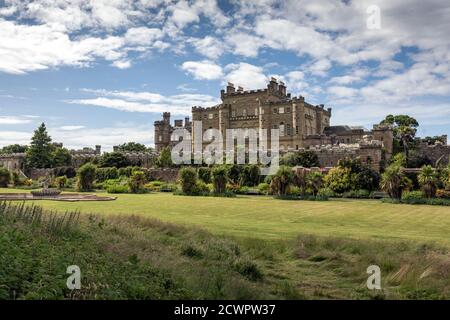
x: 436, y: 153
x: 165, y: 174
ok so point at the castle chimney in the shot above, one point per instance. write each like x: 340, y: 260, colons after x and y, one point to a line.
x: 282, y: 89
x: 230, y: 88
x: 166, y: 117
x: 273, y: 85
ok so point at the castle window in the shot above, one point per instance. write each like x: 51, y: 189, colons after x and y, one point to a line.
x: 211, y: 116
x: 262, y: 111
x: 282, y: 132
x: 233, y: 113
x: 275, y: 111
x: 205, y: 116
x: 288, y: 110
x: 159, y: 138
x: 288, y: 129
x: 244, y: 112
x: 256, y: 111
x: 281, y: 110
x: 296, y: 130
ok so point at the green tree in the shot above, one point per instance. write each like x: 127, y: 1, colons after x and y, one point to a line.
x: 86, y: 177
x: 164, y: 159
x: 188, y: 179
x: 428, y: 180
x: 220, y: 178
x: 137, y: 182
x: 306, y: 159
x: 405, y: 129
x: 340, y: 179
x: 5, y: 177
x: 300, y: 180
x: 250, y: 176
x: 14, y: 148
x: 234, y: 173
x: 114, y: 159
x: 132, y: 147
x: 61, y: 157
x: 395, y: 182
x: 39, y: 154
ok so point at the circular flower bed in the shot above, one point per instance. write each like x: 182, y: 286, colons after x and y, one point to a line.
x: 46, y: 193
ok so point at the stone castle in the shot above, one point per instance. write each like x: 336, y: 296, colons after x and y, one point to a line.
x: 301, y: 124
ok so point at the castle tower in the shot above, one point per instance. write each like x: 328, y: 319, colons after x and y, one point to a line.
x: 162, y: 132
x: 385, y: 134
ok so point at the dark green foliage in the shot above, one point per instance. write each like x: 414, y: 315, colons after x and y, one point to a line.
x: 5, y: 177
x: 14, y: 148
x: 405, y: 129
x: 204, y: 174
x: 234, y: 173
x: 250, y: 175
x: 132, y: 147
x: 103, y: 174
x: 39, y: 154
x: 428, y: 180
x: 220, y: 178
x: 61, y: 157
x: 306, y: 159
x: 395, y: 182
x: 164, y: 160
x: 188, y: 179
x: 114, y: 159
x: 86, y: 177
x: 69, y: 172
x: 315, y: 181
x: 248, y: 269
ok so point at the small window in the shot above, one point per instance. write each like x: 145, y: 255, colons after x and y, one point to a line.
x: 160, y: 138
x: 296, y: 130
x: 281, y: 110
x: 233, y: 113
x: 275, y: 111
x: 244, y: 112
x: 211, y: 116
x: 288, y: 110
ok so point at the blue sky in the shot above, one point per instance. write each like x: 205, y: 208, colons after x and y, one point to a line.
x: 101, y: 72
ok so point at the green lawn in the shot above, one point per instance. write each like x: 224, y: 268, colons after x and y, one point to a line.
x: 267, y: 218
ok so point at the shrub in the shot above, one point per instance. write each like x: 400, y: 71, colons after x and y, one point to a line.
x: 443, y: 194
x: 367, y: 179
x: 117, y: 188
x: 220, y: 177
x: 326, y: 193
x: 136, y: 182
x: 204, y: 174
x: 86, y: 177
x: 307, y: 159
x: 428, y: 181
x: 5, y: 177
x: 201, y: 188
x: 103, y: 174
x: 154, y: 186
x: 264, y: 188
x: 357, y: 194
x: 395, y: 182
x: 61, y: 182
x: 248, y: 269
x: 234, y: 173
x: 314, y: 181
x: 250, y: 175
x: 188, y: 179
x: 16, y: 180
x: 114, y: 159
x: 340, y: 179
x: 413, y: 197
x: 281, y: 181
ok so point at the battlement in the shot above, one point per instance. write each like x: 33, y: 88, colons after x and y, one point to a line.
x: 12, y: 155
x: 202, y: 109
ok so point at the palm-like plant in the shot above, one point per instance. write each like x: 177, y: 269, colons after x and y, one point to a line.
x: 281, y: 181
x: 300, y: 180
x: 315, y: 181
x: 428, y: 181
x: 394, y: 181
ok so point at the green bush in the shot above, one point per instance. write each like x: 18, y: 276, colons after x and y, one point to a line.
x: 340, y: 180
x: 61, y: 182
x: 204, y: 174
x: 414, y: 197
x: 137, y: 182
x: 357, y: 194
x: 188, y: 179
x: 250, y: 175
x: 220, y: 177
x: 281, y: 181
x: 117, y: 188
x: 86, y: 177
x: 154, y: 186
x: 248, y: 269
x: 5, y: 177
x: 264, y: 188
x: 326, y: 193
x: 103, y: 174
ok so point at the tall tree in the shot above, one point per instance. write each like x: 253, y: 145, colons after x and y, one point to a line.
x: 132, y: 147
x: 61, y: 157
x: 39, y: 154
x: 14, y: 148
x: 405, y: 129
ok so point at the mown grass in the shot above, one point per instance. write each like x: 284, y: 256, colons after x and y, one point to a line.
x: 268, y: 218
x: 134, y: 257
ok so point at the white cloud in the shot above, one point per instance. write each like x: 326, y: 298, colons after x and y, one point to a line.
x: 71, y: 128
x: 146, y: 102
x: 203, y: 70
x: 208, y: 46
x: 246, y: 75
x: 13, y: 120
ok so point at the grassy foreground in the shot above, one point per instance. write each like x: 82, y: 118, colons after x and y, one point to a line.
x: 267, y: 218
x: 133, y: 257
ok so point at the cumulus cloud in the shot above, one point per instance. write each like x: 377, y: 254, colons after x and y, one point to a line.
x: 146, y: 102
x: 14, y: 120
x: 203, y: 70
x: 246, y: 75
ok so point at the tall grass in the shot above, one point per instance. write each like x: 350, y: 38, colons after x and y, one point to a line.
x: 50, y: 222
